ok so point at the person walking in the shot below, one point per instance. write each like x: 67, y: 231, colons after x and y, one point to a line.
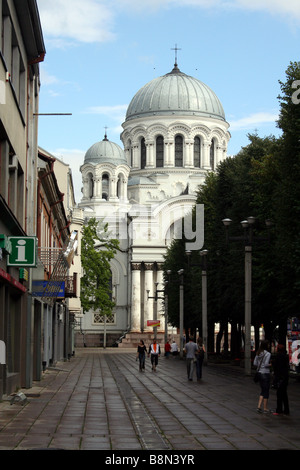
x: 199, y: 358
x: 167, y: 349
x: 190, y: 348
x: 141, y: 352
x: 262, y: 362
x: 281, y: 368
x: 174, y: 348
x: 154, y: 352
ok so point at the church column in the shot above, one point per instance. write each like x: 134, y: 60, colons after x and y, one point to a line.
x: 113, y: 189
x: 149, y: 154
x: 189, y: 160
x: 206, y: 154
x: 135, y: 297
x: 169, y: 154
x: 136, y: 156
x: 124, y: 189
x: 127, y: 152
x: 98, y: 187
x: 160, y: 301
x: 148, y: 302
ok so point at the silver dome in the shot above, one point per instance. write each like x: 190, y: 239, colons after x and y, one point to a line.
x: 175, y: 94
x: 105, y: 152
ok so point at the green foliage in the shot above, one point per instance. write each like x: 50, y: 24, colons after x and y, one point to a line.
x: 97, y: 249
x: 287, y: 194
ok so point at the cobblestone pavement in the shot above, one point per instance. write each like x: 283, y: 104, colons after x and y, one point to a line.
x: 100, y: 401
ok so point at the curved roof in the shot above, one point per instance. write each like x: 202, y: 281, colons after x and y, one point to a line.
x: 132, y: 181
x: 105, y: 152
x: 175, y: 93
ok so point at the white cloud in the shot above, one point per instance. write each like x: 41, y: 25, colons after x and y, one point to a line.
x: 289, y: 8
x: 254, y: 120
x: 69, y: 22
x: 87, y: 22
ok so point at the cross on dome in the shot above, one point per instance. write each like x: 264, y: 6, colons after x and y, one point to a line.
x: 175, y: 49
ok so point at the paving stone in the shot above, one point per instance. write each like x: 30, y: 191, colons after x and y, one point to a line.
x: 100, y: 401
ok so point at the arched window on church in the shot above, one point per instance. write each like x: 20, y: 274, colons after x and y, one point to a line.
x: 197, y: 152
x: 105, y: 186
x: 212, y: 154
x: 159, y: 151
x: 143, y: 153
x: 90, y: 185
x: 178, y: 150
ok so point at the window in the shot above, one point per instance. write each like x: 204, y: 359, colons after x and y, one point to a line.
x: 197, y: 152
x: 105, y: 186
x: 143, y: 153
x: 178, y: 150
x: 160, y: 151
x: 13, y: 59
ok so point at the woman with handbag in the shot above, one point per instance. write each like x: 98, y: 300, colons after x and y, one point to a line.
x: 262, y: 361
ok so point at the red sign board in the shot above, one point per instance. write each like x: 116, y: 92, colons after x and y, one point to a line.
x: 153, y: 323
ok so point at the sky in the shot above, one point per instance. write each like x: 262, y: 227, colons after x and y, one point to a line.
x: 99, y: 54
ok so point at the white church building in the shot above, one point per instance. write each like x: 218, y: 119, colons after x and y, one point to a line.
x: 174, y: 132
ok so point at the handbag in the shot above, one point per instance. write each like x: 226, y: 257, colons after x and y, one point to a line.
x: 256, y: 375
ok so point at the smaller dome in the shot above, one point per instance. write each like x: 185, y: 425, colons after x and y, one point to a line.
x: 105, y: 152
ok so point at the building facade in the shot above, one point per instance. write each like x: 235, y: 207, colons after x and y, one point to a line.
x: 21, y: 50
x: 175, y: 131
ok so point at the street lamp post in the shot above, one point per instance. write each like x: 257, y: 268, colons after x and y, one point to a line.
x: 166, y: 293
x: 166, y: 299
x: 248, y: 240
x: 203, y: 253
x: 181, y: 310
x: 181, y: 306
x: 203, y: 264
x: 248, y: 225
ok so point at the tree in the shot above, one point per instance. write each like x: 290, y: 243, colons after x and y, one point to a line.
x: 287, y: 195
x: 96, y: 252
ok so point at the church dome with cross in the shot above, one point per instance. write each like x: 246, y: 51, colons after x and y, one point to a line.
x: 175, y: 123
x: 105, y: 151
x: 175, y: 94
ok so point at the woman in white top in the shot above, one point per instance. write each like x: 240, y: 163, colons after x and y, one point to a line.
x: 263, y: 364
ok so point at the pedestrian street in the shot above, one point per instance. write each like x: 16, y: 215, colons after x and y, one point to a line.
x: 99, y: 400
